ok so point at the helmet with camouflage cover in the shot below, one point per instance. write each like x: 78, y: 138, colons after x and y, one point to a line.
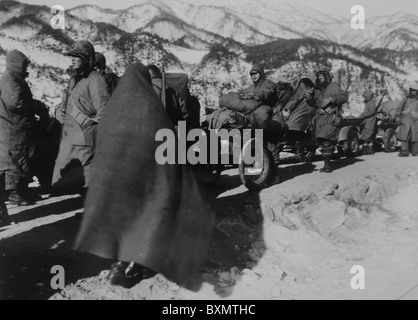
x: 368, y: 95
x: 84, y: 50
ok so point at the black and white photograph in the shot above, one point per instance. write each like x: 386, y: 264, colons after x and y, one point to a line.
x: 222, y: 151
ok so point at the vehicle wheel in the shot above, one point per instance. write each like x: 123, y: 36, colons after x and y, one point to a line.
x: 390, y: 140
x: 352, y: 145
x: 260, y: 174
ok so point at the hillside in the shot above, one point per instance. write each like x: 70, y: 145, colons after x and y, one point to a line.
x: 254, y: 23
x: 216, y: 44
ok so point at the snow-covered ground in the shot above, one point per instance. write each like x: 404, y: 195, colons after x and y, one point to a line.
x: 298, y: 239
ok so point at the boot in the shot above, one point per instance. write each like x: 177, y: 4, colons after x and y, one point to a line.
x: 366, y: 150
x: 4, y: 216
x: 275, y: 151
x: 19, y: 199
x: 371, y: 150
x: 403, y: 154
x: 32, y: 195
x: 309, y: 157
x: 327, y: 164
x: 128, y: 275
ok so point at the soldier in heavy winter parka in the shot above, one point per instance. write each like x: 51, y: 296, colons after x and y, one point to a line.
x: 80, y: 119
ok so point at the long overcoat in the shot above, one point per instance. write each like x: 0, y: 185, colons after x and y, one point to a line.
x: 86, y: 103
x: 17, y: 118
x: 408, y: 113
x: 327, y: 120
x: 369, y: 124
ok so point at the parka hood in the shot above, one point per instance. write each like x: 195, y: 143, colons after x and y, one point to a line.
x: 259, y: 68
x: 17, y: 62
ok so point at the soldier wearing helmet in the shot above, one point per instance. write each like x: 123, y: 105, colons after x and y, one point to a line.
x: 80, y: 118
x: 329, y: 97
x: 111, y: 78
x: 407, y: 115
x: 262, y: 90
x: 369, y: 124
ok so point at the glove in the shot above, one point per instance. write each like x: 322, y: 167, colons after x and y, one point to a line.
x: 399, y: 121
x: 326, y: 102
x: 286, y: 114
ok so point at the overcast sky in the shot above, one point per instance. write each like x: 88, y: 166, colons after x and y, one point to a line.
x: 334, y: 7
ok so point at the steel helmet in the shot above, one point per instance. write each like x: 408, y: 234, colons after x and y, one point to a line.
x: 84, y: 50
x: 413, y: 86
x: 100, y: 59
x: 368, y: 94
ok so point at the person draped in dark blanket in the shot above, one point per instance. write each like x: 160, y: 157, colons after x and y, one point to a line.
x: 137, y: 210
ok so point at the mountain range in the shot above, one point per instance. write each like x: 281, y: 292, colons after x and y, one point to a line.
x: 216, y: 44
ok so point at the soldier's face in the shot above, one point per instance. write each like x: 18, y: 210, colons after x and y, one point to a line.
x: 77, y: 63
x: 309, y: 92
x: 413, y: 92
x: 255, y: 76
x: 321, y: 78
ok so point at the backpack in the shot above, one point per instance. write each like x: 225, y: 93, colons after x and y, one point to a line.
x: 227, y: 119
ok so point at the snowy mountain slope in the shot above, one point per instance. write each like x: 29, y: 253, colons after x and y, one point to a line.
x: 9, y: 9
x: 95, y: 13
x: 395, y: 32
x: 219, y: 21
x: 181, y: 33
x: 253, y: 23
x: 215, y: 64
x: 142, y: 15
x: 129, y: 20
x: 32, y: 34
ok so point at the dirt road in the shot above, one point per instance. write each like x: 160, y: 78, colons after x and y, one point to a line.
x: 298, y: 239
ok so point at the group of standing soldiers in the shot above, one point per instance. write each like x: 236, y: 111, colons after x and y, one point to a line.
x: 88, y: 93
x: 136, y: 211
